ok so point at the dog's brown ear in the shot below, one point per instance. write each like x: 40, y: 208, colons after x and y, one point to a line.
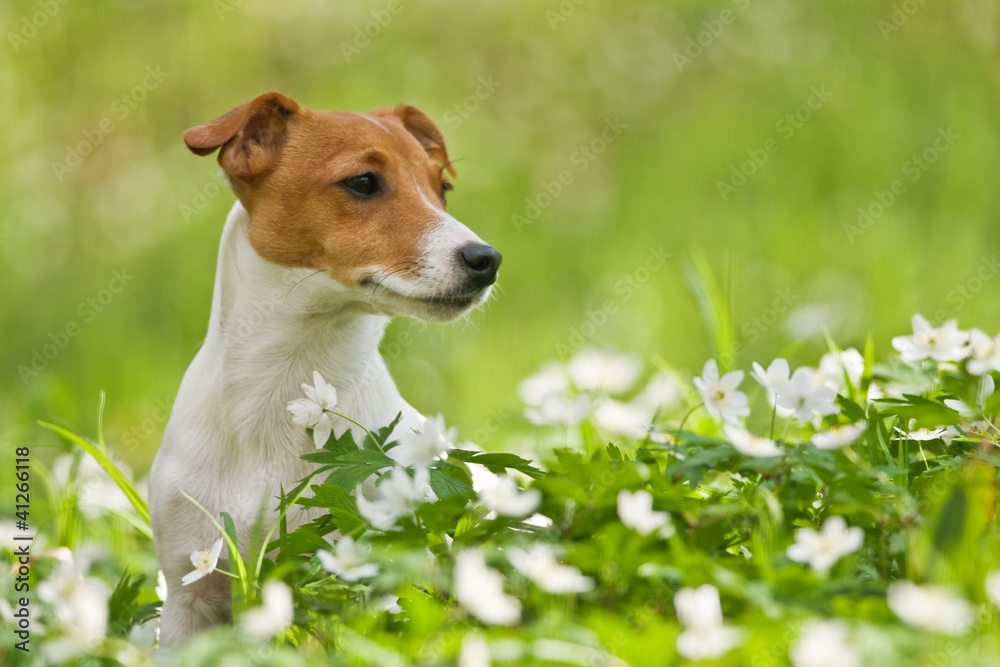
x: 424, y: 130
x: 251, y: 135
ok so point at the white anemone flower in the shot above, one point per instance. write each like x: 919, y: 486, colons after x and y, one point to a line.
x: 559, y: 410
x: 931, y: 608
x: 833, y: 366
x: 273, y: 616
x: 349, y: 563
x: 922, y: 434
x: 204, y: 562
x: 751, y: 445
x: 775, y: 374
x: 636, y: 511
x: 315, y: 411
x: 479, y: 588
x: 985, y: 353
x: 944, y: 343
x: 550, y: 380
x: 993, y: 587
x: 540, y: 565
x: 822, y: 548
x: 503, y: 496
x: 704, y: 636
x: 839, y: 436
x: 624, y: 419
x: 804, y: 397
x: 80, y: 612
x: 422, y: 447
x: 605, y: 372
x: 824, y: 644
x: 395, y: 497
x: 722, y: 398
x: 475, y: 651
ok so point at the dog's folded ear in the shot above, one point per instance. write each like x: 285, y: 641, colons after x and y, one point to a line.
x: 424, y: 130
x: 251, y: 135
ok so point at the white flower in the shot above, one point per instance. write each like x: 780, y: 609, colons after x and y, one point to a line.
x: 751, y: 445
x: 475, y: 651
x: 704, y: 636
x: 661, y: 393
x: 824, y: 644
x: 204, y: 563
x: 96, y: 492
x: 930, y: 608
x: 479, y: 589
x: 776, y: 373
x: 722, y: 398
x: 80, y: 612
x: 395, y: 497
x: 349, y: 563
x: 636, y: 511
x: 993, y: 587
x: 986, y: 388
x: 503, y: 496
x: 550, y: 380
x: 985, y: 353
x: 622, y: 418
x: 944, y: 343
x: 559, y: 410
x: 273, y: 616
x: 540, y: 565
x: 315, y: 410
x: 833, y: 366
x: 161, y: 586
x: 822, y: 548
x: 421, y: 448
x: 922, y: 434
x: 607, y: 372
x: 839, y: 436
x: 803, y: 396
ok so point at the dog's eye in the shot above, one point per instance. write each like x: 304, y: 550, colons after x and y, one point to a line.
x: 364, y: 186
x: 445, y: 188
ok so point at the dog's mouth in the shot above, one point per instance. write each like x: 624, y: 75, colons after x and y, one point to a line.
x: 441, y: 306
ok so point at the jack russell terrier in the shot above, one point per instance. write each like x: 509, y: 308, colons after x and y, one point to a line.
x: 340, y: 224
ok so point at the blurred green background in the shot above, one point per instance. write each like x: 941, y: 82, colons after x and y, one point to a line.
x: 805, y: 112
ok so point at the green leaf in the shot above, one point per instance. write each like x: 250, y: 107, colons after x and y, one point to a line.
x: 122, y: 608
x: 446, y: 487
x: 498, y: 463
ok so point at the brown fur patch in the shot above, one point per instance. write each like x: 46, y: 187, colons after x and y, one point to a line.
x: 301, y: 216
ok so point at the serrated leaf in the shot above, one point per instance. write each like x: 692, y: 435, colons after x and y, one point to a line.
x: 446, y: 487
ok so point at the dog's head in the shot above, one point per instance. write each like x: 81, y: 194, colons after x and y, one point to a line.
x: 359, y: 197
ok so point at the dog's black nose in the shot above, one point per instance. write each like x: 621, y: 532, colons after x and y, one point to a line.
x: 481, y: 261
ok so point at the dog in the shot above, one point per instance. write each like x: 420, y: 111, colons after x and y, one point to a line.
x: 340, y: 224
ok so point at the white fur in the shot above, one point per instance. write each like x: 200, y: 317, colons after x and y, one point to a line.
x: 230, y: 442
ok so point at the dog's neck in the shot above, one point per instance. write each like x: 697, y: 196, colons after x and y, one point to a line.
x: 272, y: 326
